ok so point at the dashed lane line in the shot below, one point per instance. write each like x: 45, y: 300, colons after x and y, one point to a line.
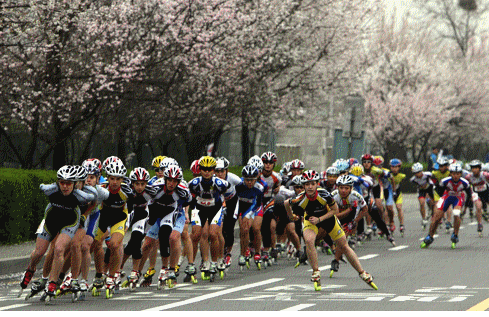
x: 398, y: 248
x: 212, y: 295
x: 13, y: 306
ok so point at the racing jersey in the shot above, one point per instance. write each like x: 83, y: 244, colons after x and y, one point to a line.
x: 362, y: 184
x: 354, y: 201
x: 316, y: 206
x: 207, y: 193
x: 451, y: 188
x: 479, y: 183
x: 438, y: 176
x: 376, y: 174
x: 424, y: 181
x: 396, y: 180
x: 94, y: 206
x: 250, y: 199
x: 153, y: 180
x: 165, y: 202
x: 273, y: 181
x: 325, y: 184
x: 233, y: 180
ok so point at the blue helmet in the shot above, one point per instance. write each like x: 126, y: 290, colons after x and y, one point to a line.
x: 395, y: 162
x: 250, y: 171
x: 342, y: 165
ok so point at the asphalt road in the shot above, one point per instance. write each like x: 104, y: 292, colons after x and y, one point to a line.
x: 409, y: 279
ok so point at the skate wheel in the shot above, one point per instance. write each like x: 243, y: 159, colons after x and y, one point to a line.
x: 317, y: 286
x: 453, y: 245
x: 171, y: 283
x: 241, y: 267
x: 258, y: 265
x: 372, y: 285
x: 109, y: 293
x: 58, y: 293
x: 331, y: 273
x: 423, y: 245
x: 297, y: 264
x: 95, y: 292
x: 248, y: 265
x: 125, y: 284
x: 212, y: 278
x: 27, y: 296
x: 221, y: 275
x: 158, y: 286
x: 82, y: 296
x: 74, y: 297
x: 194, y: 280
x: 47, y: 299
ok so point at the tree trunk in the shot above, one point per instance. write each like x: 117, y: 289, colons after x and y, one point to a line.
x: 245, y: 141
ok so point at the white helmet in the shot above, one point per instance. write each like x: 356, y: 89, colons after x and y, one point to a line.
x: 345, y: 180
x: 485, y: 167
x: 442, y: 161
x: 167, y: 161
x: 455, y: 167
x: 296, y: 180
x: 417, y: 167
x: 116, y: 168
x: 256, y: 162
x: 68, y: 173
x: 81, y: 173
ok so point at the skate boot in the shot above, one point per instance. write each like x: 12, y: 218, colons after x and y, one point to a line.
x: 242, y: 262
x: 212, y: 271
x: 171, y: 278
x: 177, y: 270
x: 190, y: 271
x: 37, y: 287
x: 162, y: 278
x: 367, y: 278
x: 274, y: 255
x: 50, y: 292
x: 148, y: 277
x: 479, y: 229
x: 424, y: 223
x: 335, y: 266
x: 454, y: 240
x: 290, y: 250
x: 392, y: 229
x: 325, y: 248
x: 401, y: 230
x: 118, y: 279
x: 258, y: 262
x: 281, y: 249
x: 228, y: 260
x: 75, y: 290
x: 110, y: 285
x: 427, y: 241
x: 390, y: 238
x: 316, y: 278
x: 65, y: 286
x: 83, y: 289
x: 221, y: 268
x: 204, y: 271
x: 98, y: 284
x: 301, y: 258
x: 26, y: 279
x: 266, y: 259
x: 133, y: 280
x: 448, y: 226
x: 369, y: 233
x: 247, y: 257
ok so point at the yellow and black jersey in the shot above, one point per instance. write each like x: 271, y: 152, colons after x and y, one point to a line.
x: 114, y: 208
x: 313, y: 206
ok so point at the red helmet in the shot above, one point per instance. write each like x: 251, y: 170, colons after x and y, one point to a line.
x: 269, y: 157
x: 173, y: 172
x: 309, y: 175
x: 195, y: 167
x: 378, y: 160
x: 367, y: 157
x: 297, y: 164
x: 139, y: 174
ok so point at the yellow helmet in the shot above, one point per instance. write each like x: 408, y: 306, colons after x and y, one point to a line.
x: 357, y: 169
x: 157, y: 160
x: 207, y: 161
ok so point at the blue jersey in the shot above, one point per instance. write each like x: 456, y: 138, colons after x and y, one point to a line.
x: 153, y: 180
x: 207, y: 192
x: 250, y: 198
x: 358, y: 182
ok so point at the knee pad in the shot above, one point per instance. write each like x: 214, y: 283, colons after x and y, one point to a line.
x: 456, y: 212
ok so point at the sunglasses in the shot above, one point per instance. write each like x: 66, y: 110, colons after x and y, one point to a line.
x: 267, y: 162
x: 206, y: 169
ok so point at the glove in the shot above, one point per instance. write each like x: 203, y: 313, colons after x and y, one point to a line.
x: 475, y: 197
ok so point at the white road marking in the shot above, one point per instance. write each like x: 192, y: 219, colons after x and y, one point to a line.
x: 473, y: 223
x: 298, y: 307
x: 398, y: 248
x: 368, y: 256
x: 13, y: 306
x: 216, y: 294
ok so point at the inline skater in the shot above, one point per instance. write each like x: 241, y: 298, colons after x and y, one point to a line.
x: 296, y: 169
x: 158, y: 170
x: 424, y: 182
x: 395, y: 178
x: 62, y: 216
x: 231, y: 215
x: 438, y: 175
x: 352, y: 208
x: 320, y: 218
x: 455, y: 190
x: 113, y: 217
x: 479, y: 181
x: 206, y: 218
x: 329, y: 183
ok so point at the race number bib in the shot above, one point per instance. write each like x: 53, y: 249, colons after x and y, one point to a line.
x: 207, y: 202
x: 480, y: 188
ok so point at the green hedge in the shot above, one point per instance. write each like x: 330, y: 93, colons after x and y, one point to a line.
x: 22, y: 203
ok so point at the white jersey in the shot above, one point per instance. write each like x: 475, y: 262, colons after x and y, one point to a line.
x: 479, y: 183
x: 273, y: 181
x: 424, y: 181
x: 354, y: 200
x: 287, y: 193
